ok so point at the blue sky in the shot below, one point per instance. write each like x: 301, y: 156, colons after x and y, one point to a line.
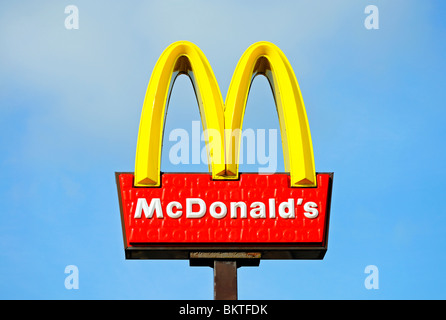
x: 70, y: 102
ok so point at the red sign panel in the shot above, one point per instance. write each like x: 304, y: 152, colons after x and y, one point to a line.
x: 191, y: 212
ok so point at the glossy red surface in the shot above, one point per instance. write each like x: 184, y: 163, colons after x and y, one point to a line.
x: 249, y: 188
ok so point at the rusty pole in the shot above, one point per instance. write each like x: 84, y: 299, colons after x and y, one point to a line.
x: 225, y: 280
x: 225, y: 266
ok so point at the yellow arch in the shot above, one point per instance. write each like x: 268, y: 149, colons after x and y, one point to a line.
x: 223, y: 124
x: 267, y: 59
x: 181, y: 57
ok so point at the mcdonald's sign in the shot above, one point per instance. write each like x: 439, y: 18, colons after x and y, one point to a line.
x: 174, y: 215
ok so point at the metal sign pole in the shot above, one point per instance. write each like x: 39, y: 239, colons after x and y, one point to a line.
x: 225, y: 266
x: 225, y: 280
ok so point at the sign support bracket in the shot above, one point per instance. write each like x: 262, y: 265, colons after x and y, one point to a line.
x: 225, y: 265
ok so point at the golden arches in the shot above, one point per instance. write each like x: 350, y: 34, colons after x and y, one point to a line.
x: 223, y: 122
